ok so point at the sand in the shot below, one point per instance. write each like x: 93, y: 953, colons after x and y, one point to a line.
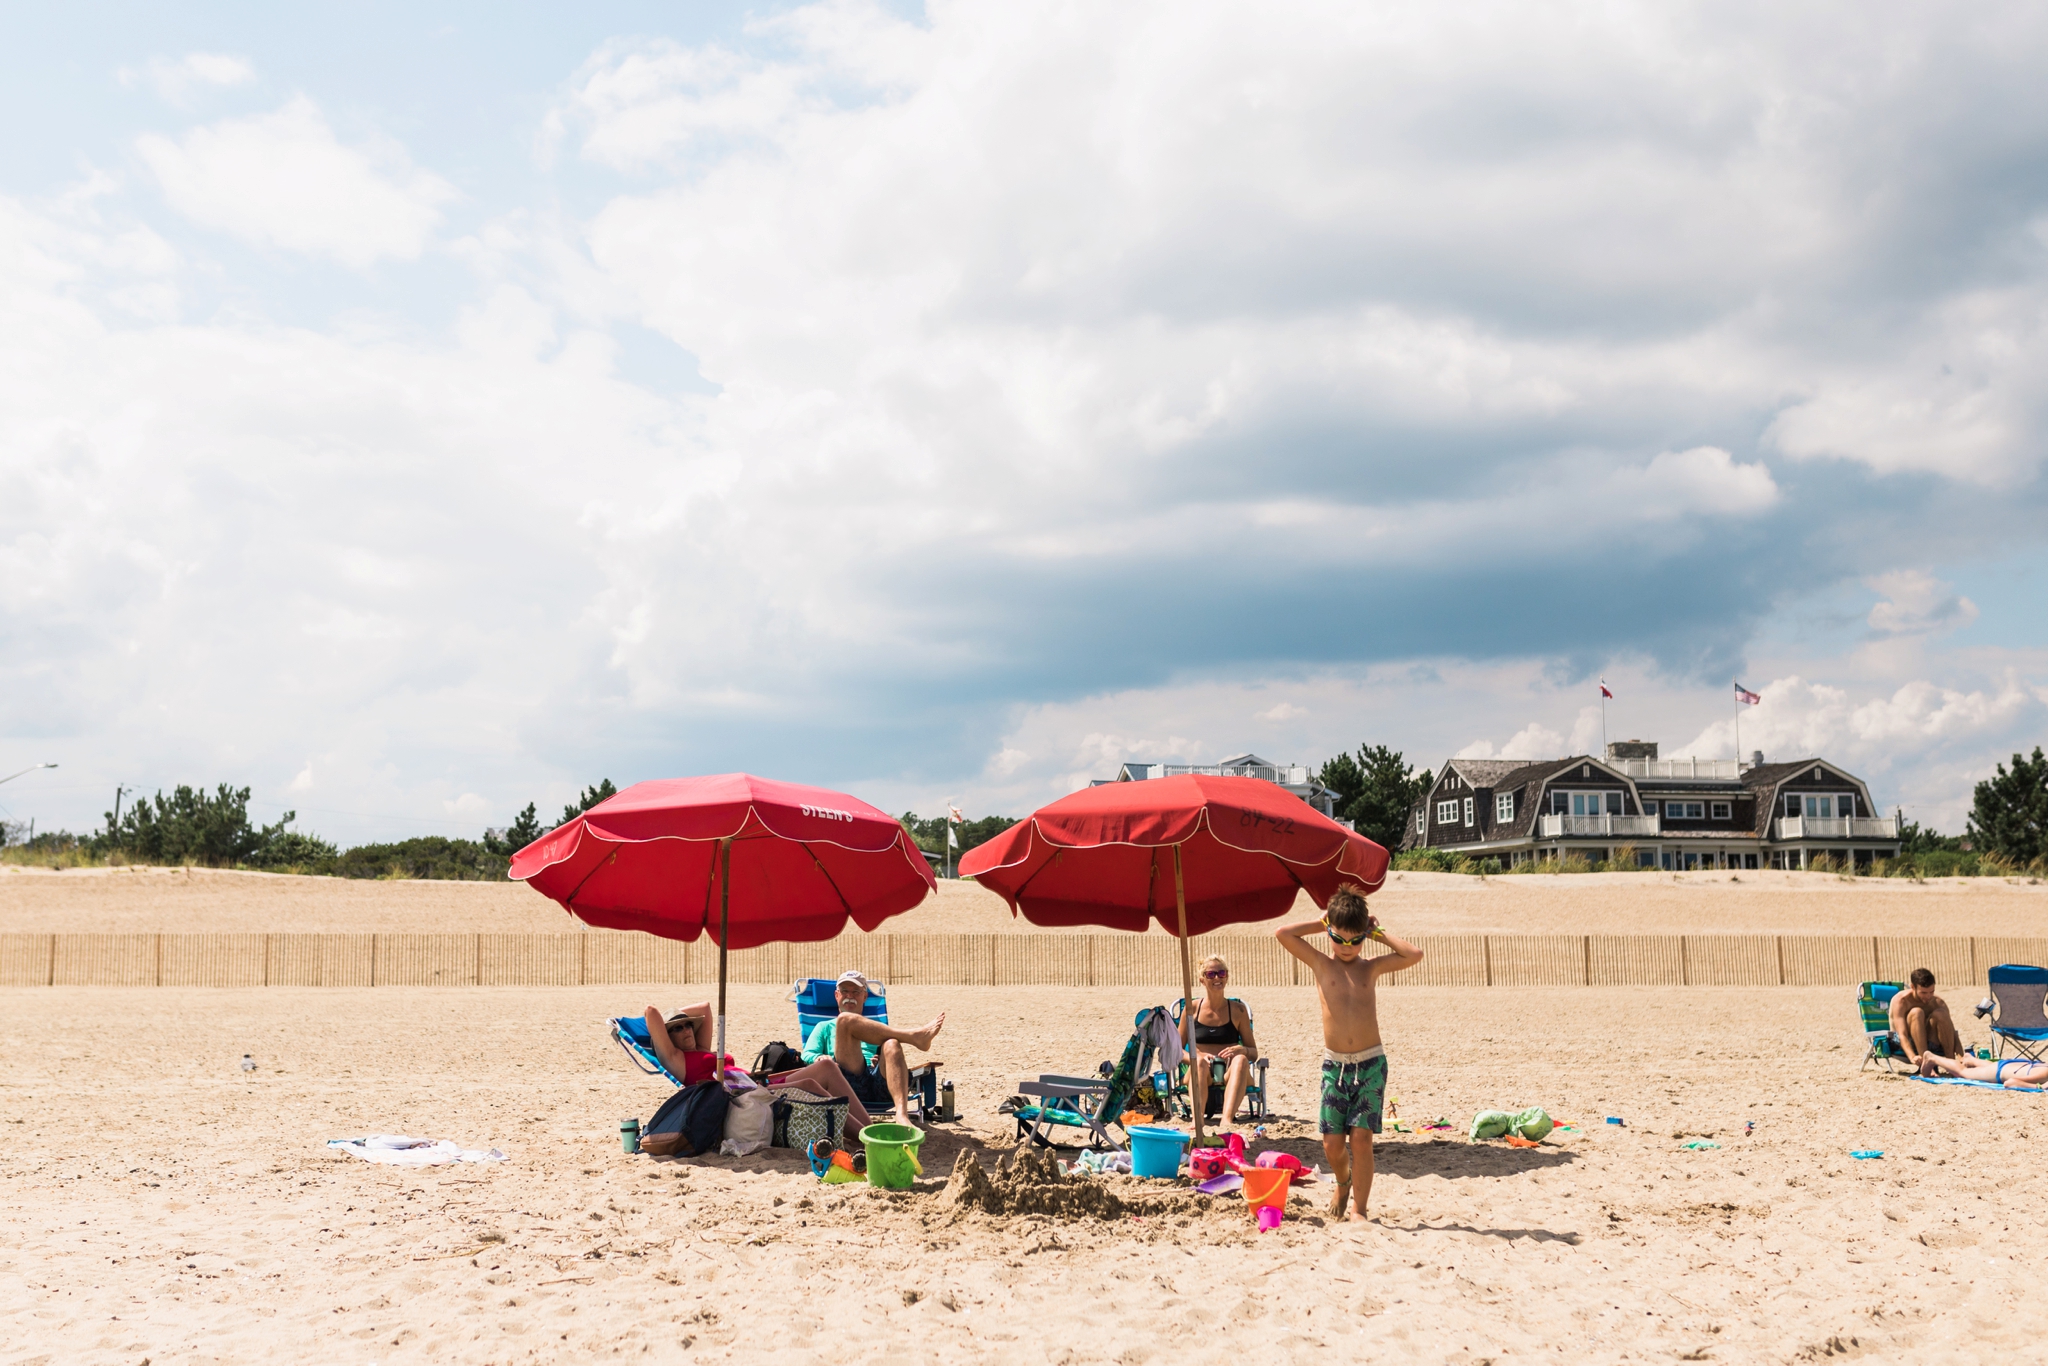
x: 200, y: 901
x: 156, y: 1202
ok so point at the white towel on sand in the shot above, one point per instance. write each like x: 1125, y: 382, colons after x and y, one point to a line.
x: 396, y: 1150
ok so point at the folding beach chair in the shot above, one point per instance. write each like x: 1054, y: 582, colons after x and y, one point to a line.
x: 630, y: 1033
x: 2017, y: 995
x: 817, y: 1000
x: 1095, y: 1104
x: 1255, y: 1089
x: 1874, y: 1001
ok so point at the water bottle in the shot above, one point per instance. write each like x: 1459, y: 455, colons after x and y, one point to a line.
x: 946, y: 1110
x: 629, y: 1135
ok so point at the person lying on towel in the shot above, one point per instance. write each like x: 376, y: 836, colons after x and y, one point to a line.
x: 2015, y: 1074
x: 683, y: 1043
x: 868, y: 1052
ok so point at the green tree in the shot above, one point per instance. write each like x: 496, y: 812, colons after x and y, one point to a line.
x: 2010, y: 815
x: 210, y: 829
x: 518, y: 835
x: 1915, y: 838
x: 1374, y: 789
x: 591, y: 797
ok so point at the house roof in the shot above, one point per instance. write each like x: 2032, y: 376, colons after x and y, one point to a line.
x: 1489, y: 772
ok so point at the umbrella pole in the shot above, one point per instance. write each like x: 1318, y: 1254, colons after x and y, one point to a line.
x: 724, y: 907
x: 1187, y: 993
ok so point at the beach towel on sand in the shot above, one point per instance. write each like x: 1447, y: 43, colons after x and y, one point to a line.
x: 396, y: 1150
x: 1965, y: 1081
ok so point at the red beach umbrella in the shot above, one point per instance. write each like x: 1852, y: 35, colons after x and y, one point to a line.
x: 1236, y: 849
x: 747, y: 860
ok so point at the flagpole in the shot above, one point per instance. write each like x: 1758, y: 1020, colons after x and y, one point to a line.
x: 1738, y: 729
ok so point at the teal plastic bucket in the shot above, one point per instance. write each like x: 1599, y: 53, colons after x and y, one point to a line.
x: 892, y: 1155
x: 1155, y: 1151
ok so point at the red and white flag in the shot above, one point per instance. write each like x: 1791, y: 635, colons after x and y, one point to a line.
x: 1604, y: 690
x: 954, y: 812
x: 1746, y: 697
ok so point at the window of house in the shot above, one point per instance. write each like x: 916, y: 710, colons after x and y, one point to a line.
x: 1446, y: 812
x: 1722, y: 810
x: 1504, y: 806
x: 1596, y: 803
x: 1822, y: 808
x: 1468, y: 811
x: 1422, y: 822
x: 1650, y: 808
x: 1685, y: 811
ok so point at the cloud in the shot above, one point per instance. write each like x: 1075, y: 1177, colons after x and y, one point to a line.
x: 1916, y: 603
x: 1084, y: 384
x: 284, y: 180
x: 1799, y: 719
x: 176, y: 79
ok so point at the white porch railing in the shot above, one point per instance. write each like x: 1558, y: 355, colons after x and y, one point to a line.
x: 1724, y: 769
x: 1287, y: 775
x: 1555, y: 826
x: 1835, y: 828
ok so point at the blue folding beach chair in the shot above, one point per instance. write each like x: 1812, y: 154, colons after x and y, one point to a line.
x: 1874, y: 1004
x: 630, y: 1033
x: 817, y: 1001
x: 2018, y: 1018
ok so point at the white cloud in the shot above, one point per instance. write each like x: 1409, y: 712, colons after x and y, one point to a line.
x: 1286, y: 711
x: 1916, y: 603
x: 1686, y: 483
x: 176, y: 79
x: 1799, y: 719
x: 303, y: 781
x: 284, y: 180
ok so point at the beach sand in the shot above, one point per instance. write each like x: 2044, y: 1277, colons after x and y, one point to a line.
x: 159, y: 1203
x: 201, y: 901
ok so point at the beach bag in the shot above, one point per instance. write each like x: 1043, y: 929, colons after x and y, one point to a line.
x: 749, y: 1123
x: 1532, y: 1123
x: 777, y: 1057
x: 801, y: 1119
x: 689, y: 1123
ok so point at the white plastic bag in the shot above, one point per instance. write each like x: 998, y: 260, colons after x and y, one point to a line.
x: 749, y: 1123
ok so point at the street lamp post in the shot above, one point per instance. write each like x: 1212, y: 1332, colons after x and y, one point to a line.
x: 30, y: 769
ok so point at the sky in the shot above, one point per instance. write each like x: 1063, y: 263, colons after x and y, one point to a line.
x: 410, y: 412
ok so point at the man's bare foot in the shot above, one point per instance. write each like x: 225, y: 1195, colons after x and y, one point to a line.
x: 903, y: 1117
x: 921, y: 1040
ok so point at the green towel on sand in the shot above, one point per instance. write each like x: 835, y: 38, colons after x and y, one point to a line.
x: 1531, y: 1124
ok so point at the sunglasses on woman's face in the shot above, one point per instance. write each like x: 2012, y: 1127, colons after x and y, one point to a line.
x: 1215, y: 974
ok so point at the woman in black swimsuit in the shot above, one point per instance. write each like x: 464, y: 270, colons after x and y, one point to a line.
x: 1223, y: 1033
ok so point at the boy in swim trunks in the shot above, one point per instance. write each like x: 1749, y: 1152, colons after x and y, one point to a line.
x: 1354, y: 1061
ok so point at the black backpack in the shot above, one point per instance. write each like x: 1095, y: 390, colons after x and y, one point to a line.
x: 776, y: 1058
x: 689, y: 1123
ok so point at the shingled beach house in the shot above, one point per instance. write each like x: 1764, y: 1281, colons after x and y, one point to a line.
x: 1674, y: 814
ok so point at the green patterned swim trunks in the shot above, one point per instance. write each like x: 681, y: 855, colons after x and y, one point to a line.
x: 1354, y: 1090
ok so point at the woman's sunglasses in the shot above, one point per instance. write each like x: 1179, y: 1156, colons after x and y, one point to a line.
x: 1215, y: 974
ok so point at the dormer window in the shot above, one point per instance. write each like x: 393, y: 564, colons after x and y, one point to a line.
x: 1468, y: 811
x: 1447, y: 812
x: 1504, y: 806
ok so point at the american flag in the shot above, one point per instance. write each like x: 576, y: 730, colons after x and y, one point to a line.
x: 1603, y: 689
x: 1747, y: 697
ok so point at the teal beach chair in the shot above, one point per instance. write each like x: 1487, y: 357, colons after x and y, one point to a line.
x: 1093, y: 1104
x: 1874, y: 1003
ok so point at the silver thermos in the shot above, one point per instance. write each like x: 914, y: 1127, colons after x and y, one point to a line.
x: 946, y: 1110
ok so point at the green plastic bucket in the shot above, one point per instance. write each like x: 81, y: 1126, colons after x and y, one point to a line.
x: 892, y: 1155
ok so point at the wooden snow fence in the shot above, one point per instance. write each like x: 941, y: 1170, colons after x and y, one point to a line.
x: 609, y: 958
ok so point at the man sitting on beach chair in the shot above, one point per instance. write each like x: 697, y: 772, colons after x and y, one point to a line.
x: 869, y: 1052
x: 1921, y: 1023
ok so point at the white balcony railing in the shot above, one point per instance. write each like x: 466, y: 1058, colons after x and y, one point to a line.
x: 1836, y: 828
x: 1556, y: 826
x: 1287, y: 775
x: 1725, y: 769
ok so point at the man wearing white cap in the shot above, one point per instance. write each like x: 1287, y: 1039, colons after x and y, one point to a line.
x: 869, y: 1052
